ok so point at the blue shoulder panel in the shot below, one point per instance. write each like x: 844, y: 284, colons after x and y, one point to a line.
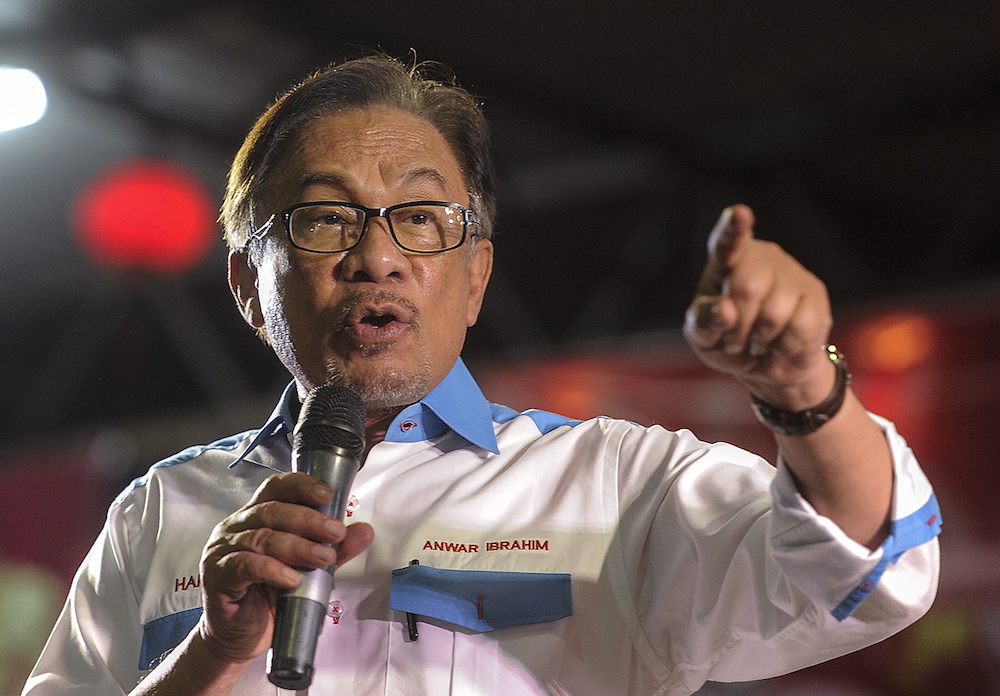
x: 545, y: 422
x: 226, y: 444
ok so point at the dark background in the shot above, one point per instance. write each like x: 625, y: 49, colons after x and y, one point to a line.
x: 865, y: 135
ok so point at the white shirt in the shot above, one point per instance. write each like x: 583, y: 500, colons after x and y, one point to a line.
x: 686, y: 561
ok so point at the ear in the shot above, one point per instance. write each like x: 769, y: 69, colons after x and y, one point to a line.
x: 243, y: 283
x: 480, y: 268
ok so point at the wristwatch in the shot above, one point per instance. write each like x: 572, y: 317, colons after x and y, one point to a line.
x: 811, y: 419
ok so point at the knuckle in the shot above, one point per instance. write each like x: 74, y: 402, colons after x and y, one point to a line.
x: 772, y: 315
x: 236, y: 565
x: 269, y: 487
x: 259, y: 540
x: 771, y: 248
x: 264, y: 514
x: 749, y: 286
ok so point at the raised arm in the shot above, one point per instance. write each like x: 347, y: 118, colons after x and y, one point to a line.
x: 763, y: 318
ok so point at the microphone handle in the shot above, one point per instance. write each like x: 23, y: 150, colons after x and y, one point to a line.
x: 299, y: 612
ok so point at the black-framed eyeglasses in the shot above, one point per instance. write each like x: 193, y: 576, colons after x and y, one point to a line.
x: 327, y: 227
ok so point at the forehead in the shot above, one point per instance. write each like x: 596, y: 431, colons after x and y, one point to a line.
x: 369, y: 148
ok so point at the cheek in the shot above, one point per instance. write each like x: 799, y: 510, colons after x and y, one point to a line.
x: 448, y: 304
x: 289, y: 292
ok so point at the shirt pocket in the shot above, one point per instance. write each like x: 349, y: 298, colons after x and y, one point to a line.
x: 481, y: 600
x: 162, y: 635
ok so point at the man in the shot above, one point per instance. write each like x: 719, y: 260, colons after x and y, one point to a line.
x: 629, y: 559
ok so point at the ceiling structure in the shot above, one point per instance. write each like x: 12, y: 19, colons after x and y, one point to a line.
x: 866, y: 135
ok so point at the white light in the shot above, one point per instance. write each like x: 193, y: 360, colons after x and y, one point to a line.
x: 22, y: 98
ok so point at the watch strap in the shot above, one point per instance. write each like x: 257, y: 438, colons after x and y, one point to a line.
x: 811, y: 419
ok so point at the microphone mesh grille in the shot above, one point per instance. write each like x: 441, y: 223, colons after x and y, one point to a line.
x: 331, y: 415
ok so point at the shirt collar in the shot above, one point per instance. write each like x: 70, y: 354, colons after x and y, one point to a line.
x: 281, y: 421
x: 456, y: 403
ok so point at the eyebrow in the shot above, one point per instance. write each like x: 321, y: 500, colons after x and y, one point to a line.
x: 418, y: 175
x: 425, y: 174
x: 331, y: 180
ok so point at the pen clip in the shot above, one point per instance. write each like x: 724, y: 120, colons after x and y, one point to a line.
x: 411, y: 619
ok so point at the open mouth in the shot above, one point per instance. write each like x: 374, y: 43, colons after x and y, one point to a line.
x: 381, y: 319
x: 378, y: 321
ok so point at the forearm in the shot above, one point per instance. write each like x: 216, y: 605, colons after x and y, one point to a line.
x: 191, y: 669
x: 844, y: 470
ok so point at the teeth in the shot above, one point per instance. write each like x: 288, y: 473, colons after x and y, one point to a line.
x: 378, y: 321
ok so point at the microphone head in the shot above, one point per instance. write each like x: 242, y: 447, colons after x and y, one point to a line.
x: 332, y: 415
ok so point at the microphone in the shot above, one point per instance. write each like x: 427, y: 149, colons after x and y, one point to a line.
x: 327, y: 443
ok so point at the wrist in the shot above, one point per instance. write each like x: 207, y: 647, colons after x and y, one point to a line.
x: 192, y: 668
x: 802, y: 421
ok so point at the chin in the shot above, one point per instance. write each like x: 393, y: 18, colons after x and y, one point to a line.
x: 384, y: 386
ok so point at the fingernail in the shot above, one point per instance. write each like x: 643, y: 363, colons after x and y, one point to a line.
x: 321, y: 490
x: 334, y: 527
x: 727, y: 213
x: 324, y: 553
x: 291, y: 575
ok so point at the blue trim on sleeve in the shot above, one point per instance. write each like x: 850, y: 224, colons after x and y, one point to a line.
x: 162, y: 635
x: 910, y: 531
x: 481, y: 600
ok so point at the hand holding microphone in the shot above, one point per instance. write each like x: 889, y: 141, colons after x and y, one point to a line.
x: 284, y: 529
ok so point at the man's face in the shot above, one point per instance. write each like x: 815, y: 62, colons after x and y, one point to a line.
x: 384, y: 322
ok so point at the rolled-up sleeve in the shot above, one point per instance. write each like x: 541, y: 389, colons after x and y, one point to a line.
x: 736, y: 577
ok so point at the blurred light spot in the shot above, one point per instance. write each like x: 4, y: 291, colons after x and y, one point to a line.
x: 571, y: 389
x: 146, y: 215
x: 946, y: 636
x: 22, y: 98
x: 895, y: 343
x: 29, y: 603
x: 112, y: 452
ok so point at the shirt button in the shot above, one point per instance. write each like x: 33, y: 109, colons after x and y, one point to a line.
x: 335, y: 609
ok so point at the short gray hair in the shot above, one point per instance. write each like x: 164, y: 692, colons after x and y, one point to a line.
x: 370, y: 81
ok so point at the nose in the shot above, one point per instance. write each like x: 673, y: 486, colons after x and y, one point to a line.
x: 376, y: 258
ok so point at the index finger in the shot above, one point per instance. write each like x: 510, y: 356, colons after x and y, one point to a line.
x: 727, y: 242
x: 292, y: 487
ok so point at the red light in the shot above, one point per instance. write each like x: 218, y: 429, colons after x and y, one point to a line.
x: 895, y: 343
x: 146, y: 215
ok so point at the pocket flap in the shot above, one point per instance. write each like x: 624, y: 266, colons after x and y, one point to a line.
x: 481, y: 600
x: 162, y: 635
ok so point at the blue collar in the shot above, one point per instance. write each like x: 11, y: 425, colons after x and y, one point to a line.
x: 456, y: 404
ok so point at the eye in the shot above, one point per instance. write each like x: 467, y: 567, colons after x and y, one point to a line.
x: 322, y: 227
x: 326, y: 219
x: 418, y: 217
